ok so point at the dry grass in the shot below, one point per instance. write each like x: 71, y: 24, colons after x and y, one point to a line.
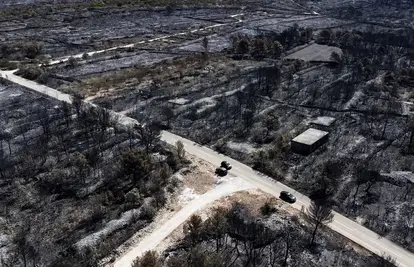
x: 252, y: 199
x: 167, y: 74
x: 200, y: 178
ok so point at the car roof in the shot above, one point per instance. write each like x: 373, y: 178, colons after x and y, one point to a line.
x: 286, y: 193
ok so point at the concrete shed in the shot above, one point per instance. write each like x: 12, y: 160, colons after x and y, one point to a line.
x: 323, y: 123
x: 308, y: 141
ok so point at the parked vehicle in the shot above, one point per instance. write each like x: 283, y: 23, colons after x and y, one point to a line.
x: 221, y: 171
x: 226, y: 165
x: 288, y: 197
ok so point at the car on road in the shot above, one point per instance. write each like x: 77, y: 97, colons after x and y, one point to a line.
x: 288, y: 197
x: 225, y: 164
x: 221, y: 171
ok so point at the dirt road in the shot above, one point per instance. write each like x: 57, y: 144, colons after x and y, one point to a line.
x: 234, y: 184
x: 340, y: 224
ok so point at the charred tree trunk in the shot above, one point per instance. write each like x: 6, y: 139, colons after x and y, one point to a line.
x: 314, y: 233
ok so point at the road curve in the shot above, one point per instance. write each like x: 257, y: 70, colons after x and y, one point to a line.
x: 340, y: 224
x: 151, y: 241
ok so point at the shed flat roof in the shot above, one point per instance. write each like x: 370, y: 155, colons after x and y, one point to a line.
x: 324, y: 121
x: 310, y: 136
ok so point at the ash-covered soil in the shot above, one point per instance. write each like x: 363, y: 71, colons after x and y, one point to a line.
x: 63, y: 189
x: 249, y: 105
x: 218, y: 76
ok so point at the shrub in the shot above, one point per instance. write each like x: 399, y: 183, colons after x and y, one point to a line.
x: 30, y: 72
x: 7, y: 65
x: 133, y: 196
x: 72, y: 62
x: 43, y: 78
x: 267, y: 209
x: 243, y: 46
x: 147, y: 212
x: 32, y: 49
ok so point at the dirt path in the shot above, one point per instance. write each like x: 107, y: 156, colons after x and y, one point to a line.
x: 233, y: 184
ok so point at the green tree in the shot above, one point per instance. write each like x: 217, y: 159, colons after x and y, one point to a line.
x: 8, y: 137
x: 180, y: 149
x: 259, y: 49
x: 136, y: 164
x: 277, y: 49
x: 410, y: 128
x: 336, y: 58
x: 77, y: 101
x: 385, y: 261
x: 325, y: 36
x: 194, y: 227
x: 168, y: 114
x: 32, y: 49
x: 243, y: 46
x: 270, y: 122
x: 200, y: 257
x: 80, y: 162
x: 259, y: 160
x: 205, y: 44
x: 177, y: 261
x: 30, y: 72
x: 307, y: 34
x: 67, y: 113
x: 298, y: 64
x: 149, y: 259
x: 72, y: 62
x: 217, y: 225
x: 149, y: 136
x: 23, y: 246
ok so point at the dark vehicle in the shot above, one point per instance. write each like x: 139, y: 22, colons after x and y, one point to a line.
x: 221, y: 171
x: 288, y: 197
x: 225, y: 164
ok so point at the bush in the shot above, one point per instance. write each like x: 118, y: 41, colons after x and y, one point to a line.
x: 30, y: 72
x: 32, y: 49
x: 221, y: 146
x: 133, y: 196
x: 43, y: 78
x: 243, y: 47
x: 147, y: 212
x: 72, y: 62
x: 267, y: 209
x: 7, y: 65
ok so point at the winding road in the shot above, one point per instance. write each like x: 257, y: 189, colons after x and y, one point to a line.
x: 344, y: 226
